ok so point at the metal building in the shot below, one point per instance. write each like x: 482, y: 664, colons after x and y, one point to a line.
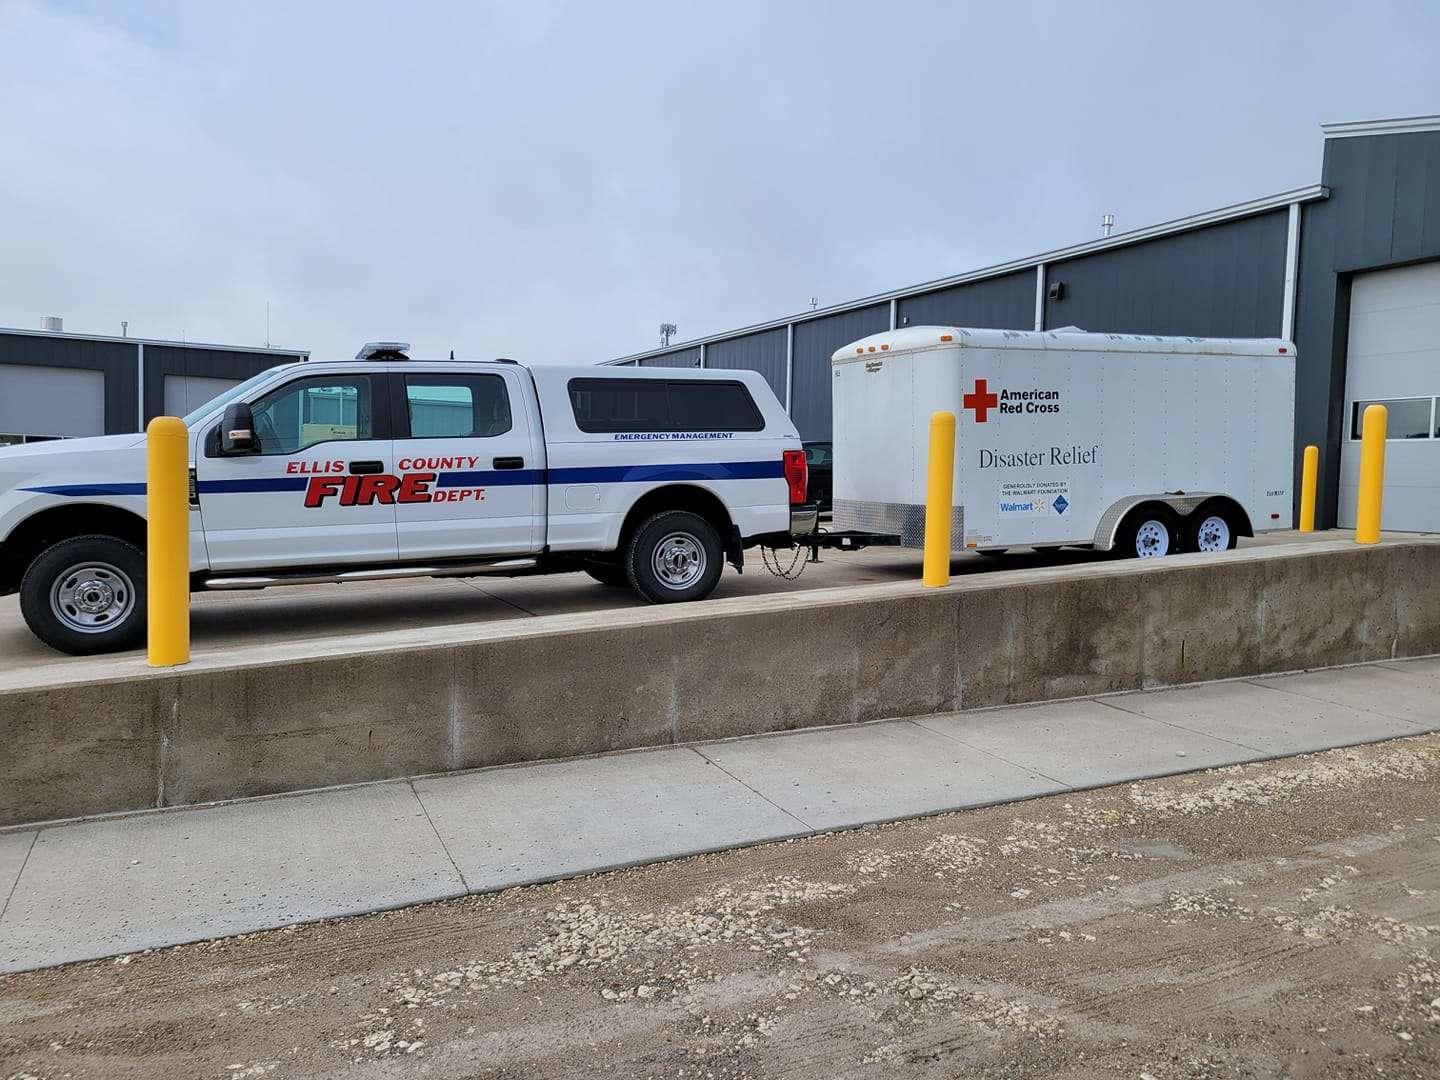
x: 59, y: 385
x: 1348, y: 268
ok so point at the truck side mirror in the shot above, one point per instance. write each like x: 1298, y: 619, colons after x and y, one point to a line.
x: 237, y: 430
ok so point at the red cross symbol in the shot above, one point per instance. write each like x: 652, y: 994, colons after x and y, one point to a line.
x: 982, y: 401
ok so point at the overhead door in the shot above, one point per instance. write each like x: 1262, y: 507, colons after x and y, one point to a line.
x: 186, y: 393
x: 51, y: 401
x: 1394, y: 359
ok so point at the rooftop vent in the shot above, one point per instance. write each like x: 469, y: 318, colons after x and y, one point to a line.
x: 384, y: 350
x: 53, y: 324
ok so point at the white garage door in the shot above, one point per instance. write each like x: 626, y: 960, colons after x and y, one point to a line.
x: 51, y: 401
x: 186, y: 393
x: 1394, y: 358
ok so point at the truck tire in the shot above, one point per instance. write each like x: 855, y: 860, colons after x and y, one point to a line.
x: 1210, y: 529
x: 86, y: 595
x: 1148, y: 533
x: 614, y: 576
x: 674, y: 556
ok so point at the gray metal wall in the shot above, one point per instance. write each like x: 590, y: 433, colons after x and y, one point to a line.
x: 1383, y: 210
x: 119, y: 362
x: 815, y: 341
x: 163, y: 360
x: 763, y: 352
x: 1001, y: 303
x: 1225, y: 280
x: 679, y: 358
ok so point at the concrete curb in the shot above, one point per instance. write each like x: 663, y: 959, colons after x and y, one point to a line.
x: 285, y: 718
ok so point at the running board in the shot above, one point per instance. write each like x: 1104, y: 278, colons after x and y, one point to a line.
x: 339, y: 577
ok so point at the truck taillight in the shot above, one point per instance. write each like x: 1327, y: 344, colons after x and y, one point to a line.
x: 797, y: 475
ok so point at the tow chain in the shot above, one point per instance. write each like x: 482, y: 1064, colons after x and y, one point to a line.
x: 797, y: 562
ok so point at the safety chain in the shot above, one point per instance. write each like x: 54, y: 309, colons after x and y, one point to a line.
x: 789, y: 573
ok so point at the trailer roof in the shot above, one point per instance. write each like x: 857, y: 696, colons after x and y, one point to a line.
x: 916, y: 338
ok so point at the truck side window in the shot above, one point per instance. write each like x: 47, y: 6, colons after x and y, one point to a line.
x: 457, y: 406
x: 316, y: 410
x: 620, y: 405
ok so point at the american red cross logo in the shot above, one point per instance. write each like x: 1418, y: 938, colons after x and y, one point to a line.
x: 982, y: 400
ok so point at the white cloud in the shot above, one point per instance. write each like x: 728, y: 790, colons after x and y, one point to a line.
x: 550, y: 181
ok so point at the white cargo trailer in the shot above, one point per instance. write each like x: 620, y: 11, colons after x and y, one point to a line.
x: 1147, y: 445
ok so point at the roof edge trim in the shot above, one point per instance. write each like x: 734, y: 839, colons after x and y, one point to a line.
x: 1249, y: 208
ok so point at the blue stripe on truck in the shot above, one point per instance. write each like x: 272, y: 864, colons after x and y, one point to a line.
x: 89, y: 489
x: 632, y: 474
x: 599, y: 474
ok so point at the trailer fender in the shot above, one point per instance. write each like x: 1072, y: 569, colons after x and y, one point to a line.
x: 1183, y: 504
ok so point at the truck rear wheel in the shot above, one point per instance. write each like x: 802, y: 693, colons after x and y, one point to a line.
x: 674, y: 556
x: 1148, y: 533
x: 86, y: 595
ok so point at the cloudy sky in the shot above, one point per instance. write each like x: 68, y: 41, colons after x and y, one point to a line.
x: 550, y: 180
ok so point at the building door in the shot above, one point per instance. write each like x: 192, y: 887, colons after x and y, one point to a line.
x: 1394, y: 359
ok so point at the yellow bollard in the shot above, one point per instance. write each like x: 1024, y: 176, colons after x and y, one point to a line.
x: 167, y: 510
x: 1372, y: 474
x: 1309, y: 477
x: 939, y: 496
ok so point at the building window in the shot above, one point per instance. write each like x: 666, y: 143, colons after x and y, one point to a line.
x: 1409, y: 418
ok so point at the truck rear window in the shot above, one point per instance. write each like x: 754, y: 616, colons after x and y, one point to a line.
x: 617, y: 405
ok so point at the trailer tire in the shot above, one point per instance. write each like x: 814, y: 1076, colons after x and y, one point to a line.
x: 994, y: 553
x: 674, y: 556
x: 86, y: 595
x: 1210, y: 529
x: 613, y: 576
x: 1148, y: 532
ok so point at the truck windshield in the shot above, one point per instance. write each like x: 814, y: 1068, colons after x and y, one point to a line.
x: 226, y: 397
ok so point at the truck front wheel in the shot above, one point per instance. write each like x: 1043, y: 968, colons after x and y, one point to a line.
x: 674, y: 556
x: 86, y: 595
x: 614, y: 576
x: 1148, y: 533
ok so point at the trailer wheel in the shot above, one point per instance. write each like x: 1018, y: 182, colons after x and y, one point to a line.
x: 675, y: 556
x: 1209, y: 530
x: 86, y: 595
x: 614, y: 576
x: 1148, y: 533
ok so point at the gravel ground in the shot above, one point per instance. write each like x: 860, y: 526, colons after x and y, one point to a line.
x: 1272, y: 920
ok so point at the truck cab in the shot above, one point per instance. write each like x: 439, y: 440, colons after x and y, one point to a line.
x: 384, y: 466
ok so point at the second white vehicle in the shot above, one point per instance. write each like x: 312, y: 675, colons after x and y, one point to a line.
x: 1118, y: 442
x: 383, y: 466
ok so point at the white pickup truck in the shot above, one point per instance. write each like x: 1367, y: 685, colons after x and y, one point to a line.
x: 385, y: 466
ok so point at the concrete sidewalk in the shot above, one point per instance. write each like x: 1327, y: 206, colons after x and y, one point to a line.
x: 115, y: 885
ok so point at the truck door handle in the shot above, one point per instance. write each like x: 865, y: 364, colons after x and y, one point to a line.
x: 362, y: 468
x: 508, y: 462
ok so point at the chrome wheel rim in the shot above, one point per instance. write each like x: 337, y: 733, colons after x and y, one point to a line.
x: 1152, y: 540
x: 92, y: 597
x: 1213, y: 534
x: 679, y: 561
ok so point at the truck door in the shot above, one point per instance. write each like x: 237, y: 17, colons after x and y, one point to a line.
x: 470, y: 463
x: 316, y: 493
